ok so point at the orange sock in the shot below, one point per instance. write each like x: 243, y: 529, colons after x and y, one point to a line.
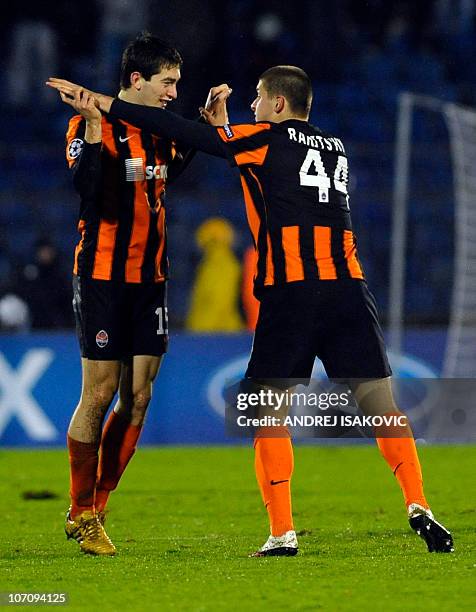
x: 274, y: 464
x: 402, y: 457
x: 83, y: 460
x: 118, y: 444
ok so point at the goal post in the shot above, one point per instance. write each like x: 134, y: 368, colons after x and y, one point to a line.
x: 460, y: 358
x: 460, y: 353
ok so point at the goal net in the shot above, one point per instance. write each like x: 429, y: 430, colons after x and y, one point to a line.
x: 460, y: 354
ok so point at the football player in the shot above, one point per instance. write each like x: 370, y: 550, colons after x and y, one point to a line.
x: 119, y: 279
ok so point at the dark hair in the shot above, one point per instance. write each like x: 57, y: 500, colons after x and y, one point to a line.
x: 292, y: 83
x: 148, y: 55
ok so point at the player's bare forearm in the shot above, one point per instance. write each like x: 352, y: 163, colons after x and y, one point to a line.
x: 93, y: 132
x: 104, y: 102
x: 85, y: 103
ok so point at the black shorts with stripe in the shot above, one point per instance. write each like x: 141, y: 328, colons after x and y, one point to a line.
x: 336, y: 321
x: 115, y: 321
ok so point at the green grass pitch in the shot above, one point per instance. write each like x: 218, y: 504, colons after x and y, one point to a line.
x: 184, y: 519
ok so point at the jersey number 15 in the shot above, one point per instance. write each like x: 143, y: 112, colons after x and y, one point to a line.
x: 321, y: 180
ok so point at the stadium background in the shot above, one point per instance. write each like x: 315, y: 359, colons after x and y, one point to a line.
x: 360, y: 55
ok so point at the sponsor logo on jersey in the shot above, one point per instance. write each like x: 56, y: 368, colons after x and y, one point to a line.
x: 102, y: 338
x: 228, y: 131
x: 158, y: 172
x: 121, y: 139
x: 75, y: 148
x: 136, y: 171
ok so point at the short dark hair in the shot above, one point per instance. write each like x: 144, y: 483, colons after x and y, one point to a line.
x: 148, y: 55
x: 292, y: 83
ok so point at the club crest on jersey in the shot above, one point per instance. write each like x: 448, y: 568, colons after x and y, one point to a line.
x: 75, y: 148
x: 228, y: 131
x: 102, y: 338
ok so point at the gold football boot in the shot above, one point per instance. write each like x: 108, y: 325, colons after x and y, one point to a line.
x: 89, y: 532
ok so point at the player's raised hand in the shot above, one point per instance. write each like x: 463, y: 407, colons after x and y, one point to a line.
x: 70, y: 91
x: 66, y: 87
x: 215, y: 111
x: 83, y: 103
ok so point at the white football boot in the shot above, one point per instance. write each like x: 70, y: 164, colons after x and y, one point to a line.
x: 285, y: 545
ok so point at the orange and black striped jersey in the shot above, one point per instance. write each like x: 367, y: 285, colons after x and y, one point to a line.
x: 294, y: 179
x: 121, y: 183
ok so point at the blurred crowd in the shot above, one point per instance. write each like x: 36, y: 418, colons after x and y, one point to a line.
x: 359, y: 53
x: 229, y: 40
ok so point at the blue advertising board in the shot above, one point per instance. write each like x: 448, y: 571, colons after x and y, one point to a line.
x: 40, y: 383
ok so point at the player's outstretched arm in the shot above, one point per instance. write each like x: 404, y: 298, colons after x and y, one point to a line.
x: 156, y: 120
x: 169, y: 125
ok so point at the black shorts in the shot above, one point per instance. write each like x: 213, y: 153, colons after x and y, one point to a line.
x: 115, y: 321
x: 336, y: 321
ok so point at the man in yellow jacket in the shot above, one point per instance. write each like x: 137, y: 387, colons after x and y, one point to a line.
x: 214, y: 305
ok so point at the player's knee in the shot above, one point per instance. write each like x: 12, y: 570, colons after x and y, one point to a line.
x: 375, y: 397
x: 101, y: 395
x: 140, y: 403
